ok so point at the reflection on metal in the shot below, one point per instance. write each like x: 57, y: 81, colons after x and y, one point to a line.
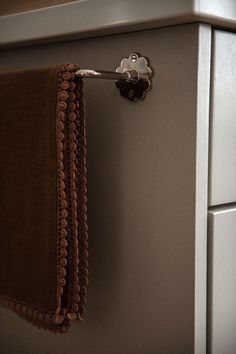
x: 133, y: 76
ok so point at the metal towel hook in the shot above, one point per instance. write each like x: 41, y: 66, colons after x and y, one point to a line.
x: 133, y: 76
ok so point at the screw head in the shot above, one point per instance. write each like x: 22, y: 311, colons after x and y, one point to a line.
x: 134, y: 57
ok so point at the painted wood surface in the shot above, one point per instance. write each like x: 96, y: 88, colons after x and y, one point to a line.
x: 222, y: 187
x: 90, y: 18
x: 147, y: 185
x: 222, y: 280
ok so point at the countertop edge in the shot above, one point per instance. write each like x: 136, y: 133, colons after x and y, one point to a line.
x: 84, y: 19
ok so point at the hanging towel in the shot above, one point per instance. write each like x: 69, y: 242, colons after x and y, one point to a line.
x: 43, y: 229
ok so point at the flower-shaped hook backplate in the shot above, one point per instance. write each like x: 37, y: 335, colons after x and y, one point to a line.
x: 138, y: 83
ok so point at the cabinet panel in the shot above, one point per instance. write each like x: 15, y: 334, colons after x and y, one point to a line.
x: 147, y: 198
x: 223, y: 122
x: 222, y: 281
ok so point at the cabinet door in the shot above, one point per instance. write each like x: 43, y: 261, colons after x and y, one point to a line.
x: 147, y: 198
x: 222, y: 281
x: 223, y: 122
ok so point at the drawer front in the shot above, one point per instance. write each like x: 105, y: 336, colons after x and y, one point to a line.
x: 222, y: 281
x: 223, y: 120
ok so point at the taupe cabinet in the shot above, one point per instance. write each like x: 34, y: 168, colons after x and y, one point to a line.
x: 222, y: 191
x: 148, y: 175
x: 223, y: 112
x: 222, y: 280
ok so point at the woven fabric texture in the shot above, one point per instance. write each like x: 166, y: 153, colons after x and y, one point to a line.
x: 43, y: 223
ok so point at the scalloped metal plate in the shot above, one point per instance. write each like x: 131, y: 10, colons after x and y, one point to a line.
x: 136, y: 66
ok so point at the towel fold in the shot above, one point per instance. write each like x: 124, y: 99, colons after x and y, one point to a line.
x: 43, y: 229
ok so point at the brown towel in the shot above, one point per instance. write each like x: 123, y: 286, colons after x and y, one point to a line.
x: 43, y: 230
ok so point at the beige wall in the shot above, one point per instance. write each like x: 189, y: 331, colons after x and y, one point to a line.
x: 13, y: 6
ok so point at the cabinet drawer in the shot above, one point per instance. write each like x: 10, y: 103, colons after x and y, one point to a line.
x: 222, y: 281
x: 223, y: 120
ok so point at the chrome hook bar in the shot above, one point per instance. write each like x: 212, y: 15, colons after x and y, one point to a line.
x: 133, y: 76
x: 99, y: 74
